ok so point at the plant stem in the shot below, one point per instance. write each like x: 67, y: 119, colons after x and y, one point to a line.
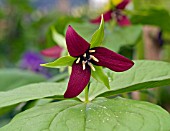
x: 86, y: 94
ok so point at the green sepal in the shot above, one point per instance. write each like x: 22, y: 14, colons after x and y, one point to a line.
x: 63, y: 61
x: 98, y: 36
x: 58, y: 38
x: 100, y: 76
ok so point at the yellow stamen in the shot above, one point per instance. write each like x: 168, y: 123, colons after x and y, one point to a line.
x: 78, y: 60
x: 92, y: 51
x: 84, y: 55
x: 94, y: 58
x: 84, y: 65
x: 91, y: 66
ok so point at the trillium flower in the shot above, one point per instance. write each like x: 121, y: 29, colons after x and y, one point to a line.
x: 116, y: 13
x: 86, y: 57
x: 52, y: 52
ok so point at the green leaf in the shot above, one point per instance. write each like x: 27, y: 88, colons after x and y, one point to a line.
x: 99, y: 115
x: 98, y: 36
x: 144, y: 74
x: 120, y: 37
x: 31, y: 92
x: 153, y: 16
x: 58, y: 38
x: 100, y: 76
x: 13, y: 78
x: 62, y: 61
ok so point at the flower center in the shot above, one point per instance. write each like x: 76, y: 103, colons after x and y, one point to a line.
x: 86, y: 59
x: 117, y: 14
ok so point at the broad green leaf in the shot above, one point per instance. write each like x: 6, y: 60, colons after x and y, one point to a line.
x: 100, y: 76
x: 99, y: 115
x: 62, y: 61
x: 153, y: 16
x: 144, y: 74
x: 31, y: 92
x: 58, y: 38
x: 13, y: 78
x: 85, y: 30
x: 39, y: 102
x: 98, y: 36
x: 120, y: 37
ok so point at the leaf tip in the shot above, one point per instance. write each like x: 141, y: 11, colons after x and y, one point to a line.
x: 108, y: 86
x: 102, y: 20
x: 42, y: 64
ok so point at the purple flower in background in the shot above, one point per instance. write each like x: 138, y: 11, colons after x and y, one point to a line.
x: 31, y: 61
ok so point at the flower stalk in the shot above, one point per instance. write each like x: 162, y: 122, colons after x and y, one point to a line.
x: 87, y: 94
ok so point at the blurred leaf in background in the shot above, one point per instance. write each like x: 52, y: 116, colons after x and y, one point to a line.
x: 153, y: 16
x: 146, y: 4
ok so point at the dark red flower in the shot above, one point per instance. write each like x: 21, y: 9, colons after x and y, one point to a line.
x: 121, y: 19
x: 53, y: 52
x: 86, y: 58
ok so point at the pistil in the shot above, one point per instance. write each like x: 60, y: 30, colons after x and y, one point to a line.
x: 86, y: 58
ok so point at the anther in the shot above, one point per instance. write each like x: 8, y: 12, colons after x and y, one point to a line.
x: 84, y: 55
x: 84, y: 65
x: 91, y: 66
x: 92, y: 51
x: 94, y: 58
x: 78, y: 60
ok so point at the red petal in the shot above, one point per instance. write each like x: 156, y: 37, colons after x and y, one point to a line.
x: 78, y: 80
x: 123, y: 4
x: 123, y: 21
x: 76, y: 45
x: 107, y: 16
x: 53, y: 52
x: 112, y: 60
